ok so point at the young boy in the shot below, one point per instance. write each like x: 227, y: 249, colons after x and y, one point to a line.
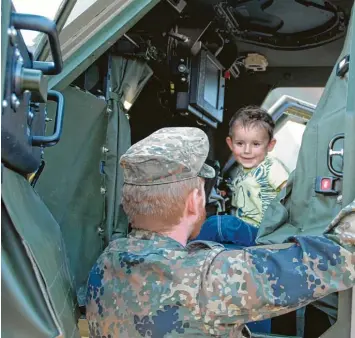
x: 257, y: 182
x: 261, y: 176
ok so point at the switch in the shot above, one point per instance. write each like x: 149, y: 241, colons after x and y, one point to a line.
x: 326, y: 185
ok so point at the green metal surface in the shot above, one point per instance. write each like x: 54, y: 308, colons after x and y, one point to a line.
x: 5, y: 19
x: 90, y: 51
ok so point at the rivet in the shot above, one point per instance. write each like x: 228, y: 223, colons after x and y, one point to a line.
x: 12, y: 33
x: 15, y: 102
x: 4, y: 104
x: 104, y: 150
x: 102, y: 191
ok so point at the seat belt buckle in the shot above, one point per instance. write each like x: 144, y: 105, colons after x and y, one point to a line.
x: 326, y: 185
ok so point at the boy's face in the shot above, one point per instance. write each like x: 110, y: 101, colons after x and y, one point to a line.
x: 250, y: 145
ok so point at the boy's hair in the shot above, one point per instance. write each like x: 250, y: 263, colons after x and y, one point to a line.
x: 251, y: 116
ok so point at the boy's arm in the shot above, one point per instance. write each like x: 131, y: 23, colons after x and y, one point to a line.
x: 258, y: 283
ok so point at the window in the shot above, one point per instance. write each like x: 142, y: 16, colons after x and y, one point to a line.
x: 45, y: 8
x: 291, y: 119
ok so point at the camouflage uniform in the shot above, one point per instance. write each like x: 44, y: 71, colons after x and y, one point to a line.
x: 149, y: 285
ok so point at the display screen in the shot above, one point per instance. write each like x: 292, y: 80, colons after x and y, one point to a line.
x: 212, y: 76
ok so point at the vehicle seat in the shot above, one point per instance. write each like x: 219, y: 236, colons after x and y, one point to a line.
x: 38, y: 288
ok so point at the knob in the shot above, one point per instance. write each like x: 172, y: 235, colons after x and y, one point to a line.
x: 32, y: 80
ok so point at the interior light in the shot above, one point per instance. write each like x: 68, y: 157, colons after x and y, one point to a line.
x: 127, y: 105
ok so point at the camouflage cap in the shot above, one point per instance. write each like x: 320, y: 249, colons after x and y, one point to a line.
x: 166, y: 156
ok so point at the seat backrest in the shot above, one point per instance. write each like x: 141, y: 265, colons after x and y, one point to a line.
x: 38, y: 287
x: 301, y: 209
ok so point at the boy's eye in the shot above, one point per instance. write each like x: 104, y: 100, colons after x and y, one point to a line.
x: 239, y: 144
x: 256, y: 144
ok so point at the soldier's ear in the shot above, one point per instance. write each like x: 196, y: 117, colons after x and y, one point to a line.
x: 193, y: 202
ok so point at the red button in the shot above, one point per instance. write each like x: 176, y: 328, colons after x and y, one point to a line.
x: 326, y: 184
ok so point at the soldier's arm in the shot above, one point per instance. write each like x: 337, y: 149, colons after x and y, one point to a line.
x: 257, y: 283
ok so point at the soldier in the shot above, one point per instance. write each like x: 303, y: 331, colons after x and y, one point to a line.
x: 154, y: 284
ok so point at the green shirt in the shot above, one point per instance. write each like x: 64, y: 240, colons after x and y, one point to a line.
x: 254, y: 189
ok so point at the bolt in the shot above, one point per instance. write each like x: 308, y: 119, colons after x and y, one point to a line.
x: 4, y: 104
x: 183, y: 79
x: 12, y: 33
x: 104, y: 150
x: 109, y: 110
x: 48, y: 119
x: 30, y: 115
x: 102, y: 191
x: 15, y: 102
x: 182, y: 68
x: 17, y: 53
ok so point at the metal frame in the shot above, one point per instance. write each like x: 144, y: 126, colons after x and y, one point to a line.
x: 5, y: 22
x: 94, y: 32
x: 285, y: 102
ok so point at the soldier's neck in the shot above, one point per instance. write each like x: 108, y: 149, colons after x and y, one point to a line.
x: 177, y: 234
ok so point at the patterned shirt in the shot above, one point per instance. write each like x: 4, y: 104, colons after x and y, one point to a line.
x: 149, y: 285
x: 254, y: 189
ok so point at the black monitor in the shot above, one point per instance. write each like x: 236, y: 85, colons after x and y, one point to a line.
x: 205, y: 97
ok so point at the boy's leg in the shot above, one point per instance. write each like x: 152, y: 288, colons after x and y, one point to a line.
x: 233, y: 233
x: 227, y: 229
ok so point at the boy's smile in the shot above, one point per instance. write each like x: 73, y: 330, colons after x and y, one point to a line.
x: 250, y: 145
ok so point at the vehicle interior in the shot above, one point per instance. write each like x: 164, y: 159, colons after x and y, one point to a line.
x: 82, y: 80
